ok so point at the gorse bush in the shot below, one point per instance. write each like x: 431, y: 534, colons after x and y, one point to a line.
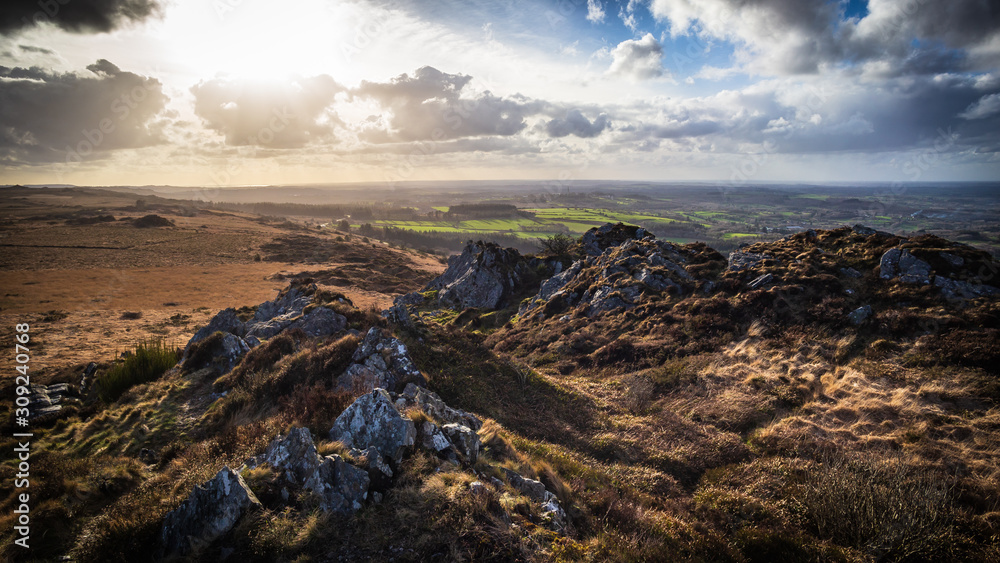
x: 147, y: 361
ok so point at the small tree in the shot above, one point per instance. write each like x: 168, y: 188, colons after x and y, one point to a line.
x: 557, y: 244
x: 344, y: 225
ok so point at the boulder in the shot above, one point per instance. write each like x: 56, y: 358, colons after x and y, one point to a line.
x: 222, y: 353
x: 483, y: 276
x: 899, y: 262
x: 224, y: 321
x: 380, y: 362
x: 373, y: 421
x: 860, y: 315
x: 537, y: 492
x: 321, y: 321
x: 274, y: 316
x: 210, y: 511
x: 293, y: 454
x: 340, y: 486
x: 45, y: 402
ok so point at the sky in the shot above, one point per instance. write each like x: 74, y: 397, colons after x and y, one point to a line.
x: 255, y: 92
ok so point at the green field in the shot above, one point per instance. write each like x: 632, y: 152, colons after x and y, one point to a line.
x: 546, y: 221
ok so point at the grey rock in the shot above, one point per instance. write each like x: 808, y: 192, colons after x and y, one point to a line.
x: 293, y: 454
x: 477, y: 487
x: 609, y: 298
x: 656, y: 282
x: 863, y: 230
x: 530, y: 488
x: 431, y: 403
x: 465, y: 440
x: 321, y: 321
x: 888, y: 264
x: 598, y: 239
x: 379, y: 472
x: 398, y: 314
x: 224, y: 321
x: 955, y: 261
x: 483, y: 276
x: 958, y: 289
x: 860, y: 315
x: 380, y: 362
x: 899, y: 262
x: 211, y: 510
x: 850, y: 272
x: 372, y: 420
x: 913, y: 269
x: 341, y: 487
x: 742, y: 260
x: 289, y: 305
x: 432, y: 438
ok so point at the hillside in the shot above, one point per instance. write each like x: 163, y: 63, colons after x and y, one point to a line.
x: 828, y: 396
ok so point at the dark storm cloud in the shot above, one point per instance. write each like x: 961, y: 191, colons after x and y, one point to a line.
x: 278, y: 113
x: 52, y: 117
x: 430, y: 105
x: 33, y: 49
x: 78, y: 16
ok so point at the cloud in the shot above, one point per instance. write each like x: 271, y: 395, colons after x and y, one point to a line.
x: 34, y: 49
x: 638, y: 59
x: 781, y: 37
x: 275, y: 113
x: 77, y: 16
x: 430, y: 105
x: 51, y: 117
x: 575, y: 123
x: 984, y: 107
x: 627, y: 15
x: 595, y: 11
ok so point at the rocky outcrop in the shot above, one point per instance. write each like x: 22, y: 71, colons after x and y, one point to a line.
x: 224, y: 321
x: 744, y: 260
x: 380, y: 361
x: 483, y: 276
x: 290, y: 310
x: 373, y: 421
x: 429, y: 402
x: 617, y: 279
x: 210, y: 511
x: 899, y: 262
x: 537, y: 492
x: 275, y: 316
x: 340, y: 486
x: 46, y: 402
x: 598, y: 239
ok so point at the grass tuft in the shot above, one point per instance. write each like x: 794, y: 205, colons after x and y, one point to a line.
x: 147, y: 361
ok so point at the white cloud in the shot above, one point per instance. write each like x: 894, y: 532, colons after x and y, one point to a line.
x: 595, y: 11
x: 983, y: 107
x: 638, y: 59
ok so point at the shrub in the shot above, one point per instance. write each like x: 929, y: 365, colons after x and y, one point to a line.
x: 557, y: 244
x: 882, y: 506
x: 148, y: 361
